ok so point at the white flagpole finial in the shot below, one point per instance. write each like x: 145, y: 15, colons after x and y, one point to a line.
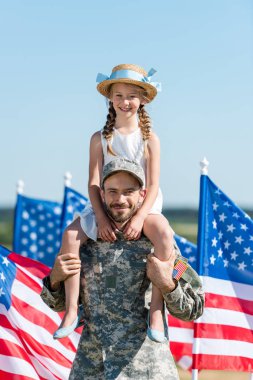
x: 204, y: 166
x: 20, y: 187
x: 67, y: 179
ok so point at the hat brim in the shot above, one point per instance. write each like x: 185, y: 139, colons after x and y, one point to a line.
x: 139, y: 179
x: 104, y: 87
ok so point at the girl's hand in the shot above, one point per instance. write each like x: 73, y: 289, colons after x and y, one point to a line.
x: 133, y: 229
x: 105, y: 229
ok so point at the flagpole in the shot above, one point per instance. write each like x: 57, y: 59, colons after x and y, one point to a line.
x: 67, y: 184
x: 16, y: 221
x: 200, y: 245
x: 20, y: 187
x: 67, y: 179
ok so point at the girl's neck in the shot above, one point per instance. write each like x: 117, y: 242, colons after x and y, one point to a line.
x: 126, y: 125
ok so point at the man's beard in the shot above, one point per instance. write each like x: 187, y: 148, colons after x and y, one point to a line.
x: 121, y: 218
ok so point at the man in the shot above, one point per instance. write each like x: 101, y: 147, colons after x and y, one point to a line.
x: 114, y: 284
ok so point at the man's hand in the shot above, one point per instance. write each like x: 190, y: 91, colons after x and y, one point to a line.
x: 160, y: 273
x: 65, y: 265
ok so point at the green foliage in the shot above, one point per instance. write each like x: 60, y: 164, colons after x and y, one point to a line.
x: 6, y: 227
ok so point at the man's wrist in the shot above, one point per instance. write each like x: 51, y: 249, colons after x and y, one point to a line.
x: 170, y: 287
x: 54, y: 285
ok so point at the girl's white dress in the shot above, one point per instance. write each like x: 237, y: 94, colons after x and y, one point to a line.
x: 129, y: 146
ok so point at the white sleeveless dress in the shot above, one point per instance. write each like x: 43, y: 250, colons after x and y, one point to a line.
x: 129, y: 146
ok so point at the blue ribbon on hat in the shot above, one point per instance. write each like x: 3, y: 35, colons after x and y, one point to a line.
x: 130, y: 74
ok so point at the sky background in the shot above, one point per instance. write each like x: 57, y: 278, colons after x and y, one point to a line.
x: 51, y: 52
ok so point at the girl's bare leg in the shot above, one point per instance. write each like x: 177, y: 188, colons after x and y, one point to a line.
x: 159, y: 232
x: 73, y: 238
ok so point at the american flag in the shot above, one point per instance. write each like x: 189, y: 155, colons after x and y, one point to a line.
x: 73, y: 203
x: 27, y: 348
x: 181, y: 332
x: 37, y: 229
x: 223, y: 336
x: 39, y: 224
x: 179, y: 269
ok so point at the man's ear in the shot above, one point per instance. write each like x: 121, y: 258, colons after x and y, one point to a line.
x: 143, y: 193
x: 102, y: 193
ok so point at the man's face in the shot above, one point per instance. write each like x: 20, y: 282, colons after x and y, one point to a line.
x: 122, y: 196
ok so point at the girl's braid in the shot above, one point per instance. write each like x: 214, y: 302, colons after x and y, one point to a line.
x: 145, y: 126
x: 109, y: 127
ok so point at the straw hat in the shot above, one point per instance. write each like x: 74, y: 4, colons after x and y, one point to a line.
x: 130, y: 74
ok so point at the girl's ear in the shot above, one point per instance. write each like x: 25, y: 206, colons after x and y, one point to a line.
x: 144, y: 100
x: 110, y: 93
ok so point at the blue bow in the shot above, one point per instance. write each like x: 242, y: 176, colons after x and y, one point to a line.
x: 130, y: 74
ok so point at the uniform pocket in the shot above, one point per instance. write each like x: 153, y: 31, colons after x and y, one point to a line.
x: 136, y: 277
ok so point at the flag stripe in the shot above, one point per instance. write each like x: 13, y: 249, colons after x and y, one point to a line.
x: 55, y: 356
x: 22, y: 294
x: 25, y: 328
x: 58, y: 369
x: 175, y: 322
x: 12, y: 348
x: 228, y: 362
x: 33, y: 315
x: 223, y: 347
x: 222, y: 331
x: 43, y: 372
x: 179, y: 334
x: 51, y: 353
x: 229, y: 303
x: 227, y: 288
x: 36, y: 269
x: 35, y: 318
x: 22, y: 278
x: 6, y: 375
x: 17, y: 366
x: 226, y: 317
x: 181, y: 348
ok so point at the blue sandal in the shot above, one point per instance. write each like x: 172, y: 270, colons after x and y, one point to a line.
x: 156, y: 335
x: 62, y: 332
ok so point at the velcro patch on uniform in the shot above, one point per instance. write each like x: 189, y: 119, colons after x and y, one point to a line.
x: 179, y: 269
x: 110, y: 282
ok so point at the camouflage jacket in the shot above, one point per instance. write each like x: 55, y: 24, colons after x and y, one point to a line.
x: 114, y: 285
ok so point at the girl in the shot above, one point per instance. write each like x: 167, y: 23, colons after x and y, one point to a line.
x: 127, y: 133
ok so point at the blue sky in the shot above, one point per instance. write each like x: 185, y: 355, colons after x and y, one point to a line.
x: 51, y: 52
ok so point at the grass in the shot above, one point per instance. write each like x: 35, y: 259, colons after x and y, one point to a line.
x: 215, y: 375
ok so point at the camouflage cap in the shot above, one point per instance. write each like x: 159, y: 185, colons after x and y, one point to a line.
x: 121, y: 164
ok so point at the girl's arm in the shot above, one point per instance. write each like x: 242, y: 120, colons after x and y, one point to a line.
x: 105, y: 230
x: 134, y: 227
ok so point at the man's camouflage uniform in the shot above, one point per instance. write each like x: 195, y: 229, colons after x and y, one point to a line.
x: 114, y: 344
